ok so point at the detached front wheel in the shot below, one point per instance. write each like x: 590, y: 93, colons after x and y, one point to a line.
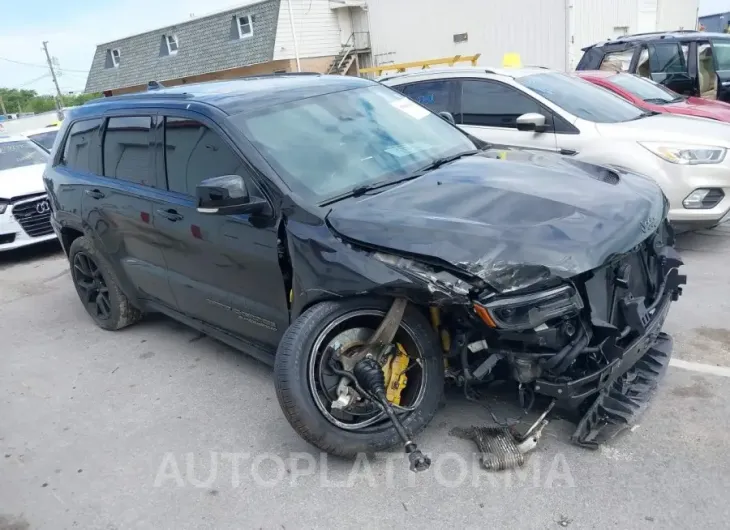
x: 325, y: 407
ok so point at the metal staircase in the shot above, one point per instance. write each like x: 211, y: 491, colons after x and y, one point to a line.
x: 344, y: 59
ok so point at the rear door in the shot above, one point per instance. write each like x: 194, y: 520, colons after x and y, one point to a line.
x: 223, y: 269
x: 438, y: 95
x: 118, y: 205
x: 489, y: 109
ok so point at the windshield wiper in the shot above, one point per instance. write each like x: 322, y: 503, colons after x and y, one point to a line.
x: 645, y: 114
x: 442, y: 161
x: 357, y: 191
x: 658, y: 101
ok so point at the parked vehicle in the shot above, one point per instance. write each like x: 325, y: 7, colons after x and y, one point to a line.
x: 43, y: 137
x: 691, y: 63
x: 537, y: 108
x: 649, y: 95
x: 24, y: 209
x: 333, y: 228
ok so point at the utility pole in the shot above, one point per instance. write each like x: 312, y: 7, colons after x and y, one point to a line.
x: 59, y: 99
x: 2, y: 106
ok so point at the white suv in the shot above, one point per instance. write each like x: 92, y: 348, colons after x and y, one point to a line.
x: 25, y: 211
x: 546, y: 110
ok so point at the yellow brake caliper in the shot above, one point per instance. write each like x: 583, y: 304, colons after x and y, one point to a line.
x: 394, y: 373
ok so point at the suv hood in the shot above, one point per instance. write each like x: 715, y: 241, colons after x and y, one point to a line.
x: 21, y: 181
x: 670, y: 128
x: 512, y: 223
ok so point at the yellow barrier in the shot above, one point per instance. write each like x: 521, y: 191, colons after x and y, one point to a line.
x: 401, y: 67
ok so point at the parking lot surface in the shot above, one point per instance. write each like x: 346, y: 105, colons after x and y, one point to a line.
x: 159, y: 427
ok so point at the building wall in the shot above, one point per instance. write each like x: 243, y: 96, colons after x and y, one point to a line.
x: 411, y: 30
x: 206, y: 44
x: 599, y: 20
x: 677, y: 14
x: 715, y: 23
x: 317, y: 28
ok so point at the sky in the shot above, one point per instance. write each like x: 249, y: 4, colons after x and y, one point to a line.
x: 73, y: 28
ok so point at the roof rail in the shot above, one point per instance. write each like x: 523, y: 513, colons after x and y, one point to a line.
x: 142, y: 95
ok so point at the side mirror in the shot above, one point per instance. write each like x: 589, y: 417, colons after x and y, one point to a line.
x: 532, y: 121
x: 227, y: 195
x: 448, y: 117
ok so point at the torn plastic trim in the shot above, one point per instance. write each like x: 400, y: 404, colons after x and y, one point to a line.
x: 436, y: 281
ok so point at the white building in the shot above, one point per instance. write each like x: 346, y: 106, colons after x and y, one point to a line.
x: 544, y: 32
x: 269, y: 36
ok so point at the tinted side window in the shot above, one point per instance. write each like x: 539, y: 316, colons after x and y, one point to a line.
x: 667, y: 58
x: 79, y: 145
x: 128, y: 154
x: 193, y: 153
x: 434, y: 95
x: 617, y: 61
x: 493, y: 104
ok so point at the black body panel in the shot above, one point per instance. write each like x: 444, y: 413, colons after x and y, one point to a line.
x: 486, y: 216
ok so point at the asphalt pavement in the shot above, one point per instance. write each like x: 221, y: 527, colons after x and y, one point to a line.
x: 159, y: 427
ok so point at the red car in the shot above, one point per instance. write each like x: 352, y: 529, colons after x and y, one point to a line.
x: 649, y: 95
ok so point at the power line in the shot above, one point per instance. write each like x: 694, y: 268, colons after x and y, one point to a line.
x: 33, y: 81
x: 41, y: 65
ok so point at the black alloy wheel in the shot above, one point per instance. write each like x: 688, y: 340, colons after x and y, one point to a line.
x: 92, y: 286
x: 98, y: 287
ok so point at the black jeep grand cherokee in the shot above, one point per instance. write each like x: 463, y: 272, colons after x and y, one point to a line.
x: 368, y: 249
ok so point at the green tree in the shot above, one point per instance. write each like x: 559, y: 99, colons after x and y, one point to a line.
x: 31, y: 101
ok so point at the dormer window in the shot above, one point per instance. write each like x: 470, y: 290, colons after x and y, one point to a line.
x: 245, y: 26
x: 116, y: 56
x: 172, y: 45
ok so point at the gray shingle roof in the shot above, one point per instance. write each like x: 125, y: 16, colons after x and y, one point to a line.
x: 206, y: 44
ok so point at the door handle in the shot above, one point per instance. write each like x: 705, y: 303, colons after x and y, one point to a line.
x: 95, y: 194
x: 170, y: 215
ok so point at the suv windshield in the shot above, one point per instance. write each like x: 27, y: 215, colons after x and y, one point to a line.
x: 645, y: 89
x: 582, y: 98
x: 326, y: 145
x: 21, y: 153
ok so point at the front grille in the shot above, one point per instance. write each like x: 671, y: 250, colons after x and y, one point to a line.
x: 34, y: 217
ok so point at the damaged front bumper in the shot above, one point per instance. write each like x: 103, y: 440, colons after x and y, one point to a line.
x: 625, y: 386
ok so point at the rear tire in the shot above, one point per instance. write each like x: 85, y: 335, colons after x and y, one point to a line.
x: 98, y: 288
x: 292, y: 382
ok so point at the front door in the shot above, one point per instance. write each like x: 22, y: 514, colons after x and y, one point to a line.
x: 668, y: 66
x: 721, y: 57
x: 118, y: 206
x: 223, y: 269
x: 489, y: 110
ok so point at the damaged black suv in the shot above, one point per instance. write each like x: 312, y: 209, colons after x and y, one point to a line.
x: 369, y: 250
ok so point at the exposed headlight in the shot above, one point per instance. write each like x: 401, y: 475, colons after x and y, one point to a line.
x: 433, y: 278
x: 530, y: 310
x: 3, y: 205
x: 686, y: 154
